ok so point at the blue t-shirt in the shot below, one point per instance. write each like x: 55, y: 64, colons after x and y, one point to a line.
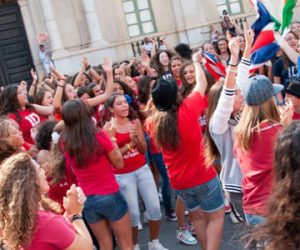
x: 286, y: 74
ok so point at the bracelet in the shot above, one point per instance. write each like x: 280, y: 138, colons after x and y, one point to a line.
x: 58, y: 85
x: 232, y: 65
x: 61, y: 79
x: 76, y: 217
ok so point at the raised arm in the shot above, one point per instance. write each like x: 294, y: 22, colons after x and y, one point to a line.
x: 34, y: 83
x: 244, y: 66
x: 59, y: 89
x: 92, y: 102
x: 219, y: 120
x: 201, y: 82
x: 91, y: 72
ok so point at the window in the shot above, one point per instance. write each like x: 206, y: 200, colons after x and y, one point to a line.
x: 233, y: 7
x: 139, y: 17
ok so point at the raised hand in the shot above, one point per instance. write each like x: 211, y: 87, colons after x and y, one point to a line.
x: 106, y: 64
x: 234, y: 47
x: 249, y: 37
x: 33, y: 75
x: 145, y: 60
x: 85, y: 62
x: 197, y: 57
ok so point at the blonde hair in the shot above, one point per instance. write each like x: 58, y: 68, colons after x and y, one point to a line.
x: 250, y: 119
x: 6, y: 147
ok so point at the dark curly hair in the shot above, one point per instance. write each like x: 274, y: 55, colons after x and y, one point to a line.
x: 282, y: 227
x: 43, y: 137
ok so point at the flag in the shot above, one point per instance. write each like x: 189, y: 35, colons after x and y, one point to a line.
x: 273, y: 15
x: 214, y: 66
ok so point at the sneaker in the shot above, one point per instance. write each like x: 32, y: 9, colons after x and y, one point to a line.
x: 186, y: 237
x: 171, y: 215
x: 136, y: 247
x: 227, y: 206
x: 191, y: 229
x: 160, y: 196
x: 140, y: 226
x: 156, y: 245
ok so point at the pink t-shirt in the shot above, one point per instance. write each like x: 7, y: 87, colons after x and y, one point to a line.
x: 97, y: 177
x: 52, y: 232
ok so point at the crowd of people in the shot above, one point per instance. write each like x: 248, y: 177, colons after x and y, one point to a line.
x: 84, y: 156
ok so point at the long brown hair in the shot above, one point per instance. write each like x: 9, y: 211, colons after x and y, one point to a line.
x: 79, y: 134
x: 166, y: 132
x: 282, y: 226
x: 214, y: 94
x: 58, y: 161
x: 250, y: 119
x: 185, y: 88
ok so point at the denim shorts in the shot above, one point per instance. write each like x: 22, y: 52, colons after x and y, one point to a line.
x: 208, y: 196
x: 253, y: 219
x: 111, y: 207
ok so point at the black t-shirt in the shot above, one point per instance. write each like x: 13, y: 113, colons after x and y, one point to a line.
x: 287, y: 75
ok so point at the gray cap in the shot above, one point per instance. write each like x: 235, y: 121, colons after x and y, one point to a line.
x: 260, y: 90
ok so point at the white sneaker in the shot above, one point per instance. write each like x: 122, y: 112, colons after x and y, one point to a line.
x: 136, y: 247
x: 140, y: 226
x: 156, y: 245
x: 186, y: 237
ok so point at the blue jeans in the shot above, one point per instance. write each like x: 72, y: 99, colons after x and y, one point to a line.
x: 165, y: 186
x: 140, y: 181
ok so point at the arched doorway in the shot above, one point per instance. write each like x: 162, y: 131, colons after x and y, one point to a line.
x: 15, y: 56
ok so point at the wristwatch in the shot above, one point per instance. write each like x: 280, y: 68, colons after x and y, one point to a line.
x: 76, y: 217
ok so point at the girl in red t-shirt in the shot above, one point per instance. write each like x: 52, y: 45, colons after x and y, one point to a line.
x: 136, y: 176
x: 14, y: 104
x: 91, y: 156
x: 32, y: 223
x: 178, y: 133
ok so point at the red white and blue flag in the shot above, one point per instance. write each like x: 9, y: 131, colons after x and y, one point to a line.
x: 214, y: 66
x: 272, y: 15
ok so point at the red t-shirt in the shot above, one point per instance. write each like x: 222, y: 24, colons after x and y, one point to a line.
x: 27, y: 121
x: 59, y: 190
x: 296, y: 116
x: 185, y: 165
x: 133, y: 159
x: 97, y: 177
x: 258, y: 169
x: 52, y: 232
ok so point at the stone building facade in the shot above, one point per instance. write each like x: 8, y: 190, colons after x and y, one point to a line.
x: 96, y: 28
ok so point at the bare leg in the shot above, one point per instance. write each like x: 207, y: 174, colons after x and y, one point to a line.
x: 135, y: 232
x: 214, y: 231
x: 180, y: 207
x: 121, y: 229
x: 102, y: 232
x: 200, y: 224
x: 154, y: 229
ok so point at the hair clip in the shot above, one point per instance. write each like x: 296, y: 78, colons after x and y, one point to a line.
x: 55, y: 137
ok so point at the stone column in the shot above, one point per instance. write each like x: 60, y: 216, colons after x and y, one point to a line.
x: 54, y: 35
x: 180, y: 21
x: 30, y: 31
x: 93, y: 23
